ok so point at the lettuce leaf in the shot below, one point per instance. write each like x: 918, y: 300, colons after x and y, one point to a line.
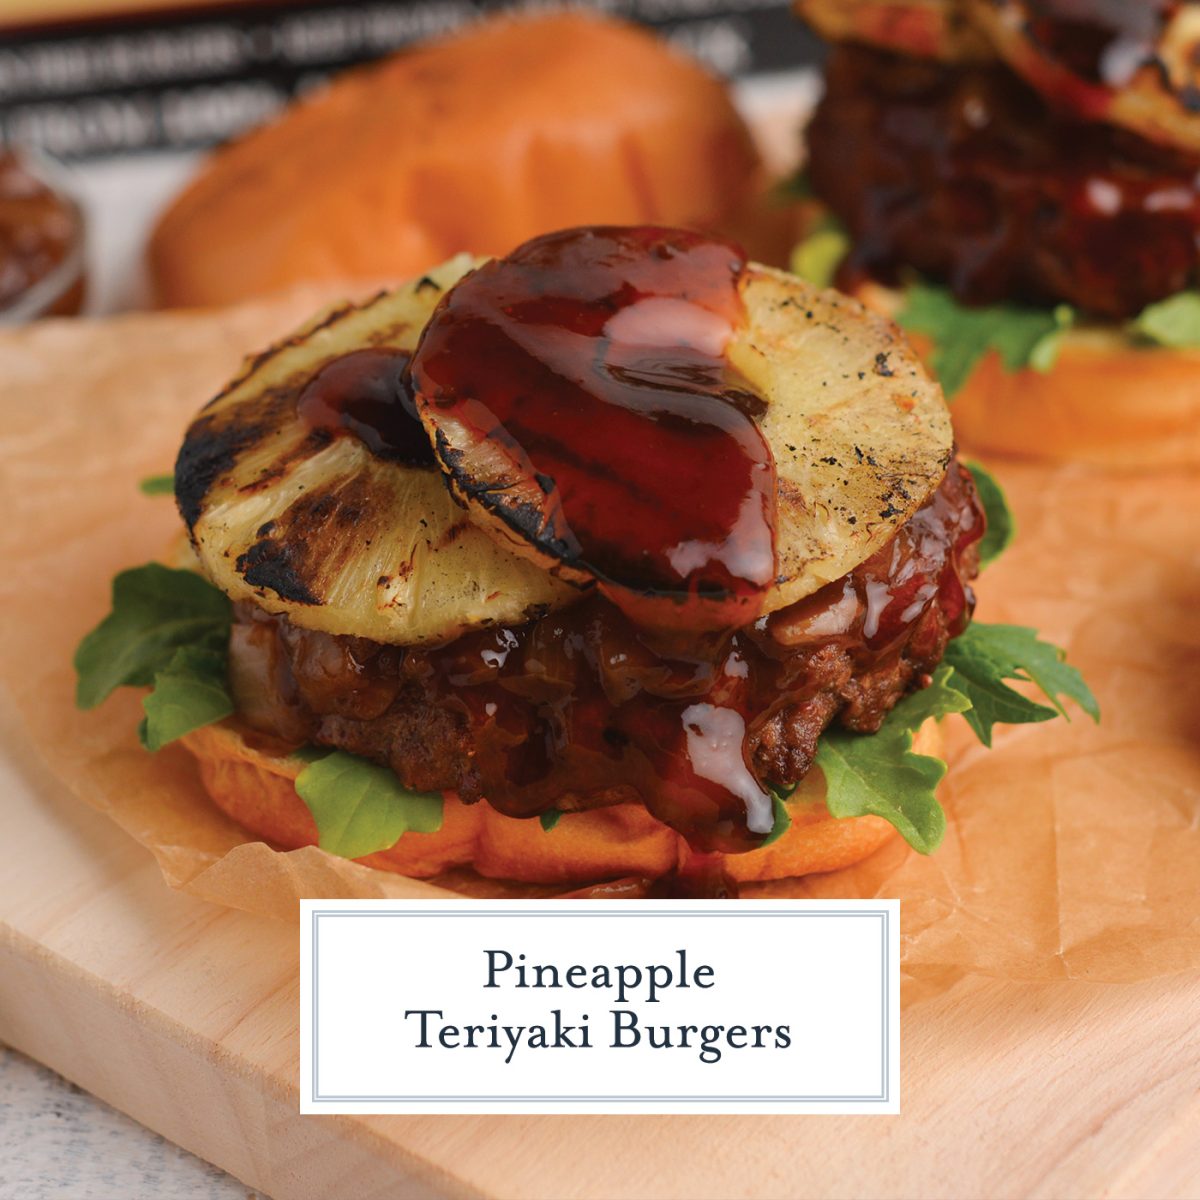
x: 985, y: 656
x: 188, y: 693
x: 549, y: 819
x: 1174, y: 322
x: 879, y: 774
x: 361, y: 807
x: 157, y: 485
x: 961, y: 336
x: 783, y: 819
x: 1001, y: 527
x: 156, y: 611
x: 817, y: 258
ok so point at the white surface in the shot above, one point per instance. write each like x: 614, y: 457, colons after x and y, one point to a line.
x: 59, y: 1143
x: 644, y: 1006
x: 121, y: 199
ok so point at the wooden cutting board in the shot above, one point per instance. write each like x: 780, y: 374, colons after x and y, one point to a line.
x: 185, y: 1016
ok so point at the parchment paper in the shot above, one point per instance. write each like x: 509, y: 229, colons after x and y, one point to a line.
x: 1072, y: 852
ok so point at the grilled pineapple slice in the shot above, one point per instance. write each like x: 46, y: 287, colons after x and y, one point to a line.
x: 322, y: 530
x: 859, y: 433
x: 924, y: 28
x: 1150, y: 88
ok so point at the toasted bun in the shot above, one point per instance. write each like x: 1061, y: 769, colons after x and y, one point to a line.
x: 1105, y: 401
x: 473, y: 143
x: 257, y: 789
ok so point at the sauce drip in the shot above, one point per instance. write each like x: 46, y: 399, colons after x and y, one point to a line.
x: 368, y: 395
x: 594, y: 359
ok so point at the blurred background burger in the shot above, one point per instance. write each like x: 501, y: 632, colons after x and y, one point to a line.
x: 1018, y: 182
x: 386, y: 135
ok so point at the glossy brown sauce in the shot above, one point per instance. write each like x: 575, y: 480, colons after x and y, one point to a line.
x: 38, y: 231
x: 966, y: 176
x: 595, y: 359
x: 368, y: 394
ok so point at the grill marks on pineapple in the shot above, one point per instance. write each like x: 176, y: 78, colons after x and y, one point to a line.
x: 268, y: 565
x: 209, y: 452
x: 309, y: 522
x: 218, y: 439
x: 298, y: 553
x: 281, y: 466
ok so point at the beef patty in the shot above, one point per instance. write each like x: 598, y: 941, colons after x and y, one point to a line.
x: 580, y: 709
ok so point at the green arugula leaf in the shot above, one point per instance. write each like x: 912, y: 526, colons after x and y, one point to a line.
x: 1174, y: 322
x: 550, y: 819
x: 795, y: 187
x: 944, y: 696
x: 155, y: 612
x: 188, y: 693
x: 1023, y: 337
x: 817, y: 258
x: 360, y: 807
x: 864, y: 776
x: 878, y: 773
x: 157, y: 485
x: 984, y: 656
x: 783, y: 819
x: 1001, y: 527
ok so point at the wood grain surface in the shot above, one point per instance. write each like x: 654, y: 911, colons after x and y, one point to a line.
x: 185, y: 1016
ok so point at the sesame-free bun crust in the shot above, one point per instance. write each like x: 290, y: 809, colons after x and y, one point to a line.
x: 256, y: 787
x: 1106, y: 401
x: 475, y: 142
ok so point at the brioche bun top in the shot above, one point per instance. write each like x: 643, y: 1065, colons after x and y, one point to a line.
x: 476, y: 142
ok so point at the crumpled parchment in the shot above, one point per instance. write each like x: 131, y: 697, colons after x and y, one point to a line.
x: 1073, y: 851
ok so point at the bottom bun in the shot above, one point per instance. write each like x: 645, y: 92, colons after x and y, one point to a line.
x: 1106, y: 401
x: 256, y: 787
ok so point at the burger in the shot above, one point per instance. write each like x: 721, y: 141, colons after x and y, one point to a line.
x: 483, y: 137
x: 1018, y: 183
x: 618, y: 557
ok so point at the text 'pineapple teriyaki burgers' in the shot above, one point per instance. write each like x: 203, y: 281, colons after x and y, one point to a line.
x: 619, y: 557
x: 1018, y: 183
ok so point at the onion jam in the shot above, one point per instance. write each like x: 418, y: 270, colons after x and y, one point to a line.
x: 967, y: 176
